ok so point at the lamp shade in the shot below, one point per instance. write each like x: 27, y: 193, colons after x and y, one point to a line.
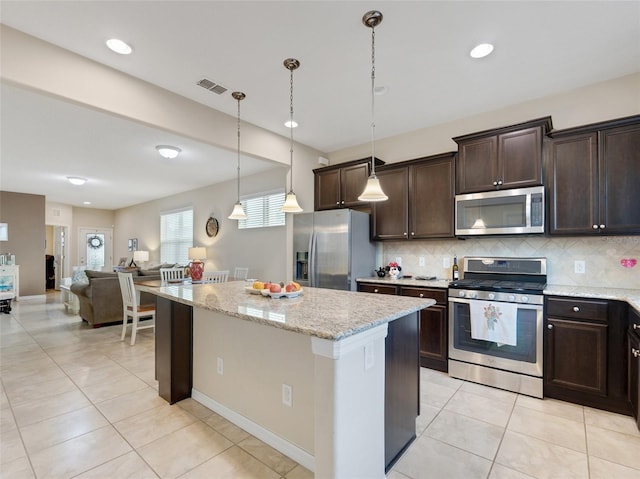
x: 291, y: 204
x: 373, y: 191
x: 140, y: 255
x: 238, y: 213
x: 197, y: 253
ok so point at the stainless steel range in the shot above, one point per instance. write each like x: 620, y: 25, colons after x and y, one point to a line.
x: 495, y: 323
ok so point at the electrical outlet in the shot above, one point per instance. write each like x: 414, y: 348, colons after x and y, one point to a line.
x: 220, y: 367
x: 399, y: 260
x: 580, y: 267
x: 446, y: 262
x: 287, y: 395
x: 421, y: 261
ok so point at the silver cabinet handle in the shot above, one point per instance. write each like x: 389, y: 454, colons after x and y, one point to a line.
x: 595, y: 227
x: 337, y: 202
x: 500, y: 182
x: 549, y: 326
x: 495, y: 183
x: 342, y: 202
x: 576, y: 309
x: 635, y: 352
x: 422, y: 295
x: 413, y: 233
x: 601, y: 227
x: 636, y: 326
x: 404, y: 234
x: 375, y: 290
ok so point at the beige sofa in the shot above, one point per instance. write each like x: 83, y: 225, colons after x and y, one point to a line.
x: 100, y: 299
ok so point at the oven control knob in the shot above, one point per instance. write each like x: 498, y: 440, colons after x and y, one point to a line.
x: 473, y: 294
x: 492, y: 296
x: 462, y: 294
x: 525, y: 299
x: 512, y: 297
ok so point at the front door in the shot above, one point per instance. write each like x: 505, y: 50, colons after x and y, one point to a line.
x: 95, y: 248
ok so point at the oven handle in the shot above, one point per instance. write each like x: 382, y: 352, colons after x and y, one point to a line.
x: 454, y: 299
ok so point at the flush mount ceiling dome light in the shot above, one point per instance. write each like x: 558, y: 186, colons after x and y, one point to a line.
x: 482, y: 50
x: 119, y: 46
x: 373, y: 190
x: 76, y: 180
x: 238, y: 212
x: 168, y: 151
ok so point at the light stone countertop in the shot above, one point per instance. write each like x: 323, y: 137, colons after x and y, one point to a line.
x: 631, y: 296
x: 323, y: 313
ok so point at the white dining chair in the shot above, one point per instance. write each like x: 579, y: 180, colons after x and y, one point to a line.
x: 215, y: 276
x: 171, y: 274
x: 240, y: 273
x: 131, y: 308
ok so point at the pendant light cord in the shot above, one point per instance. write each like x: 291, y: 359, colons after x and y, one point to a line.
x: 291, y: 133
x: 239, y: 149
x: 373, y: 110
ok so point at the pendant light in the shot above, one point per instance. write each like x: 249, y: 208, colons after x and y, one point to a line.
x: 291, y: 202
x: 238, y: 212
x: 373, y: 190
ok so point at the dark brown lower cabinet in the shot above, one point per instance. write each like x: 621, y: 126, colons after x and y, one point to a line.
x: 584, y: 359
x: 174, y: 337
x: 434, y: 334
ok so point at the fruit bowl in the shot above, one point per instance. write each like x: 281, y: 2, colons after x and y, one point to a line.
x: 285, y: 294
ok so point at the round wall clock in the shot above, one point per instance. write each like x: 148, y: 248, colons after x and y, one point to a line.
x: 212, y: 227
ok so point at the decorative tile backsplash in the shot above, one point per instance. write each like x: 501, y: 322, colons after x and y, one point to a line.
x: 610, y: 261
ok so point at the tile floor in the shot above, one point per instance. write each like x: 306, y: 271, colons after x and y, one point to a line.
x: 77, y: 402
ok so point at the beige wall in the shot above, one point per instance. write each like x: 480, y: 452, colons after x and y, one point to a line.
x: 262, y: 250
x: 615, y: 98
x: 24, y: 214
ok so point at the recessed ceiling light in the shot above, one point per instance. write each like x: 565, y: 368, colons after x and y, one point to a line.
x: 76, y: 180
x: 482, y: 50
x: 291, y: 124
x: 168, y: 151
x: 119, y: 46
x: 86, y: 202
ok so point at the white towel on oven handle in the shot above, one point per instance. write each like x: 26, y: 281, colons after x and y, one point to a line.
x: 494, y: 321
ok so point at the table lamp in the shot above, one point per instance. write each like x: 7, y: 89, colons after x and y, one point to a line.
x: 141, y: 256
x: 196, y: 266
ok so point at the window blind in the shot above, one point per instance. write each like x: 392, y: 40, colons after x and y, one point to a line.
x: 263, y: 211
x: 176, y: 236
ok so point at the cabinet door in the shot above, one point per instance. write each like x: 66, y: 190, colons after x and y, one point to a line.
x: 573, y: 185
x: 620, y: 180
x: 477, y: 165
x: 431, y: 199
x: 634, y: 374
x: 575, y: 357
x: 352, y: 182
x: 376, y: 288
x: 327, y: 190
x: 390, y: 217
x: 520, y: 158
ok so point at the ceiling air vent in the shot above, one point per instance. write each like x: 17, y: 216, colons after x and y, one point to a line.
x: 212, y: 86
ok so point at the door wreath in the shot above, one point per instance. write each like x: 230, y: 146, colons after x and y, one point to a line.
x: 95, y: 242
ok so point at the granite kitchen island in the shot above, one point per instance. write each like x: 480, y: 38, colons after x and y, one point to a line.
x: 330, y: 378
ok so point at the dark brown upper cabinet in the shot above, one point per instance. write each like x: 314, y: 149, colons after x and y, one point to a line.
x: 502, y: 158
x: 338, y: 186
x: 593, y: 179
x: 421, y: 199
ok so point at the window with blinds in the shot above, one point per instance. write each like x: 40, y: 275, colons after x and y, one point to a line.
x: 176, y: 236
x: 263, y: 211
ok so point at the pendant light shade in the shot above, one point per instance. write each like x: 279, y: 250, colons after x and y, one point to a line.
x: 373, y: 190
x: 291, y: 202
x: 238, y: 212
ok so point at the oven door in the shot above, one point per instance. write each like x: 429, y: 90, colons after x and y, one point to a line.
x: 523, y: 358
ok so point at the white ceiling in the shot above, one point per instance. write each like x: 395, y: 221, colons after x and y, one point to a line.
x: 541, y: 48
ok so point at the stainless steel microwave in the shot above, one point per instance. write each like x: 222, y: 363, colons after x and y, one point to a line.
x: 503, y: 212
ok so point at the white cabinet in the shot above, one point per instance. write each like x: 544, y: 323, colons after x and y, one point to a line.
x: 10, y: 279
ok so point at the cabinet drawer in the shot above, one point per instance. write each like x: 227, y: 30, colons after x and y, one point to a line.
x: 376, y: 288
x: 578, y: 308
x: 440, y: 295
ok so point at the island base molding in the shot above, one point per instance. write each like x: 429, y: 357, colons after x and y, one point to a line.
x: 285, y: 447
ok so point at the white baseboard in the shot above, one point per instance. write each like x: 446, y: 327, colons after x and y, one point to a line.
x: 285, y: 447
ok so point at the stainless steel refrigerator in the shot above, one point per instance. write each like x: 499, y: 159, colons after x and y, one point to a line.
x: 332, y: 248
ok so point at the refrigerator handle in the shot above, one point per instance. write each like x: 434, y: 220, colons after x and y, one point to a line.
x: 312, y: 260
